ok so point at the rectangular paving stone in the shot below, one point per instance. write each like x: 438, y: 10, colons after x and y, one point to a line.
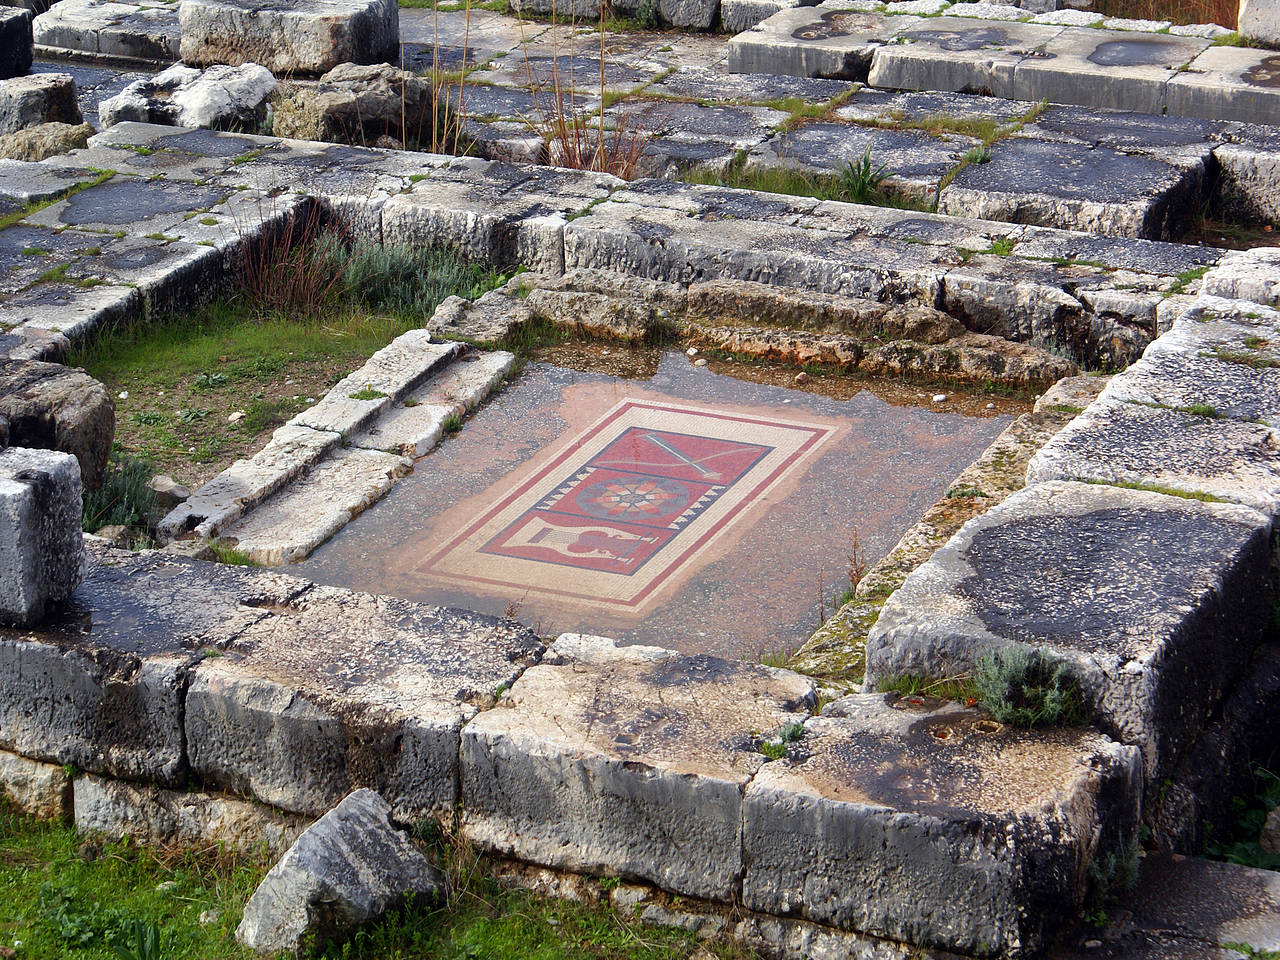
x: 225, y: 498
x: 101, y: 684
x: 68, y: 309
x: 413, y: 430
x: 385, y: 377
x: 1228, y: 83
x: 1155, y: 602
x: 1246, y: 275
x: 1171, y: 449
x: 309, y: 510
x: 1077, y: 187
x: 925, y: 822
x: 714, y: 85
x: 129, y: 31
x: 1105, y: 68
x: 961, y: 55
x: 625, y: 761
x: 814, y: 42
x: 338, y: 690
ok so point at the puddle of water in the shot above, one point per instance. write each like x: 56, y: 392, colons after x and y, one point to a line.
x: 648, y: 499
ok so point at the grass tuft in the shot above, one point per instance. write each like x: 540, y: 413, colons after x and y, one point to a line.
x: 1028, y: 688
x: 123, y: 499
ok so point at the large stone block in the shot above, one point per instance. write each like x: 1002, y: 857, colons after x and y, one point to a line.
x: 1246, y: 275
x: 220, y: 98
x: 1191, y: 452
x: 38, y: 789
x: 149, y: 814
x: 52, y: 407
x: 807, y: 41
x: 15, y: 42
x: 933, y: 824
x: 102, y: 685
x: 289, y: 36
x: 347, y: 869
x: 1155, y: 602
x: 337, y: 690
x: 628, y: 761
x: 359, y: 105
x: 41, y: 548
x: 38, y: 98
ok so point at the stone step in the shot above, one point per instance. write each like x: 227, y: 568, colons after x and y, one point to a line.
x: 1123, y: 69
x: 1155, y: 602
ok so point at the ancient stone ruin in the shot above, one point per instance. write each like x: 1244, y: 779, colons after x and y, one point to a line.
x: 842, y: 515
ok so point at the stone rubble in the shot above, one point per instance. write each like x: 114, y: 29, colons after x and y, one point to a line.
x: 219, y: 98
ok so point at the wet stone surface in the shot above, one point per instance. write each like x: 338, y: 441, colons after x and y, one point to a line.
x: 868, y: 464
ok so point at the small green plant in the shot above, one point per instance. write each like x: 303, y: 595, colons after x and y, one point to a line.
x: 148, y: 418
x: 367, y: 393
x: 862, y: 179
x: 775, y: 746
x: 189, y: 416
x: 610, y: 883
x: 209, y: 381
x: 230, y: 555
x: 141, y: 942
x: 956, y: 493
x: 1003, y: 246
x: 647, y: 15
x: 1251, y: 952
x: 1203, y: 410
x: 452, y: 423
x: 1108, y: 877
x: 977, y: 155
x: 123, y: 498
x: 1249, y: 813
x: 960, y: 689
x: 1024, y: 687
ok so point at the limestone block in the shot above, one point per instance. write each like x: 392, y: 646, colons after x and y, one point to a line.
x: 1249, y: 179
x: 15, y: 42
x: 347, y: 869
x: 385, y: 377
x: 808, y: 41
x: 148, y: 814
x: 359, y: 105
x: 52, y: 407
x: 692, y: 14
x: 38, y: 98
x: 38, y: 789
x: 1260, y: 20
x: 44, y: 140
x: 739, y: 15
x: 1155, y: 602
x: 1246, y: 275
x: 289, y: 36
x: 337, y: 690
x: 303, y: 515
x: 1228, y: 83
x: 219, y: 98
x: 487, y: 320
x: 245, y: 483
x: 132, y: 31
x: 413, y: 428
x: 627, y: 761
x: 40, y: 540
x: 1179, y: 450
x: 932, y: 824
x: 102, y: 686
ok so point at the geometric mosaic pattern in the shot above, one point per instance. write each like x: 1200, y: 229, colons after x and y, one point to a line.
x: 628, y: 505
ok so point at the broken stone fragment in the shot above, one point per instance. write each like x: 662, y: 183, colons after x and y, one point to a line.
x: 45, y: 140
x: 358, y: 104
x: 41, y: 546
x: 35, y: 99
x: 15, y: 41
x: 219, y: 98
x: 169, y: 493
x: 51, y: 407
x: 346, y: 870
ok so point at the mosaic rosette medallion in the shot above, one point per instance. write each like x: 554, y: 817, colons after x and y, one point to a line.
x: 628, y: 506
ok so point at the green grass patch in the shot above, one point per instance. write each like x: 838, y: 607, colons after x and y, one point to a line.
x: 1028, y: 688
x: 230, y: 555
x: 859, y: 182
x: 123, y: 498
x: 960, y: 689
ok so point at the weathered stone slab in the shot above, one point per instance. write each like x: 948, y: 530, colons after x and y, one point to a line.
x: 1076, y: 187
x: 69, y: 309
x: 15, y: 42
x: 38, y: 98
x: 221, y: 98
x: 358, y: 104
x: 497, y: 213
x: 148, y: 814
x: 226, y: 497
x: 38, y: 789
x: 347, y: 869
x: 123, y: 30
x: 703, y: 83
x: 1106, y: 68
x: 386, y: 377
x: 311, y: 509
x: 289, y: 36
x: 1249, y: 174
x: 1177, y: 450
x: 1246, y: 275
x: 934, y: 825
x: 961, y: 55
x: 1260, y: 20
x: 739, y: 15
x: 627, y: 761
x: 414, y: 427
x: 1174, y: 138
x: 1228, y: 83
x: 40, y: 540
x: 52, y: 407
x: 814, y: 42
x: 337, y: 690
x: 1155, y: 602
x: 914, y: 161
x: 487, y: 320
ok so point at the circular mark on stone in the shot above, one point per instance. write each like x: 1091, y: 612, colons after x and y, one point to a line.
x: 835, y: 24
x: 1264, y: 74
x: 633, y: 497
x: 961, y: 39
x: 988, y: 726
x: 941, y: 732
x: 1133, y: 53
